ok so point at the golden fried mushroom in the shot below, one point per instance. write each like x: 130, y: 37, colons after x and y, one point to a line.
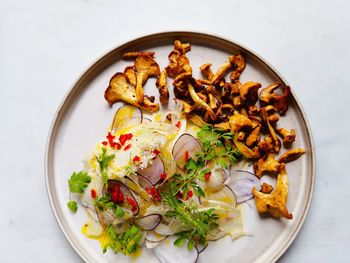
x: 268, y: 114
x: 178, y: 64
x: 183, y: 48
x: 221, y: 72
x: 120, y: 89
x: 146, y: 67
x: 291, y: 155
x: 276, y: 201
x: 238, y: 121
x: 135, y: 54
x: 249, y: 92
x: 238, y: 63
x: 163, y: 87
x: 266, y: 164
x: 280, y: 102
x: 254, y: 136
x: 199, y: 102
x: 206, y: 71
x: 287, y: 136
x: 130, y: 75
x: 186, y: 107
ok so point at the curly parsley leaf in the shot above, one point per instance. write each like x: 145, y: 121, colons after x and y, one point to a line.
x: 78, y: 182
x: 73, y: 206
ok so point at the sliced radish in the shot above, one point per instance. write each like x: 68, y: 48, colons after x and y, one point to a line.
x: 163, y: 230
x: 154, y: 238
x: 224, y: 198
x: 154, y: 171
x: 184, y: 148
x: 126, y: 113
x: 148, y: 222
x: 242, y: 183
x: 149, y: 187
x: 167, y: 252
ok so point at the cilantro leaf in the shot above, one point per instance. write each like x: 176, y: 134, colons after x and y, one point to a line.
x: 78, y: 182
x: 72, y: 205
x: 103, y: 161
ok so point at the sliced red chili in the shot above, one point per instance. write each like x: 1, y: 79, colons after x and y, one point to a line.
x: 207, y: 176
x: 178, y: 124
x: 163, y: 176
x: 136, y: 159
x: 154, y: 193
x: 110, y: 137
x: 104, y: 143
x: 186, y: 156
x: 189, y: 194
x: 156, y: 151
x: 132, y: 202
x: 127, y: 147
x: 93, y: 193
x: 124, y: 137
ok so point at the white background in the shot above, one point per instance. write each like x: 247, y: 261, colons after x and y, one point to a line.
x: 46, y: 45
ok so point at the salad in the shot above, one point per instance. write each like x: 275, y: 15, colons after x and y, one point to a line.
x: 168, y: 182
x: 151, y: 180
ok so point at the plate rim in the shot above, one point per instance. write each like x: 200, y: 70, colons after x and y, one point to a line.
x: 96, y: 62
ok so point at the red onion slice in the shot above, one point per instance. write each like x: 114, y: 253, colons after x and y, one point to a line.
x: 153, y: 172
x: 169, y: 253
x: 148, y: 222
x: 111, y: 184
x: 185, y: 147
x: 126, y: 113
x: 242, y: 183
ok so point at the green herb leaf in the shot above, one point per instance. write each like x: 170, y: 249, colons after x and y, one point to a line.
x: 72, y: 205
x: 119, y: 212
x: 103, y: 162
x: 180, y: 241
x: 126, y: 242
x: 78, y: 182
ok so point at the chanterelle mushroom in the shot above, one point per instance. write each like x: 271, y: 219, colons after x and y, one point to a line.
x: 266, y: 164
x: 287, y: 136
x: 120, y: 89
x: 163, y: 87
x: 268, y: 96
x: 291, y: 155
x: 146, y: 67
x: 249, y: 92
x: 238, y: 121
x: 275, y: 202
x: 199, y: 102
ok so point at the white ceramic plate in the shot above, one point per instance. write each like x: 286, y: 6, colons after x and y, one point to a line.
x: 84, y: 115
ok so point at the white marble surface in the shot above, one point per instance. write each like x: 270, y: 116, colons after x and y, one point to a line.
x: 45, y: 45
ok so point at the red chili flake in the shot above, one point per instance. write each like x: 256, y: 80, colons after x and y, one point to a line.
x: 163, y: 176
x: 124, y: 137
x: 132, y: 202
x: 179, y: 195
x: 136, y: 159
x: 186, y: 156
x: 178, y: 124
x: 93, y: 193
x: 127, y: 147
x: 110, y: 137
x: 207, y: 176
x: 189, y: 194
x: 104, y: 143
x: 117, y: 195
x: 156, y: 151
x: 154, y: 193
